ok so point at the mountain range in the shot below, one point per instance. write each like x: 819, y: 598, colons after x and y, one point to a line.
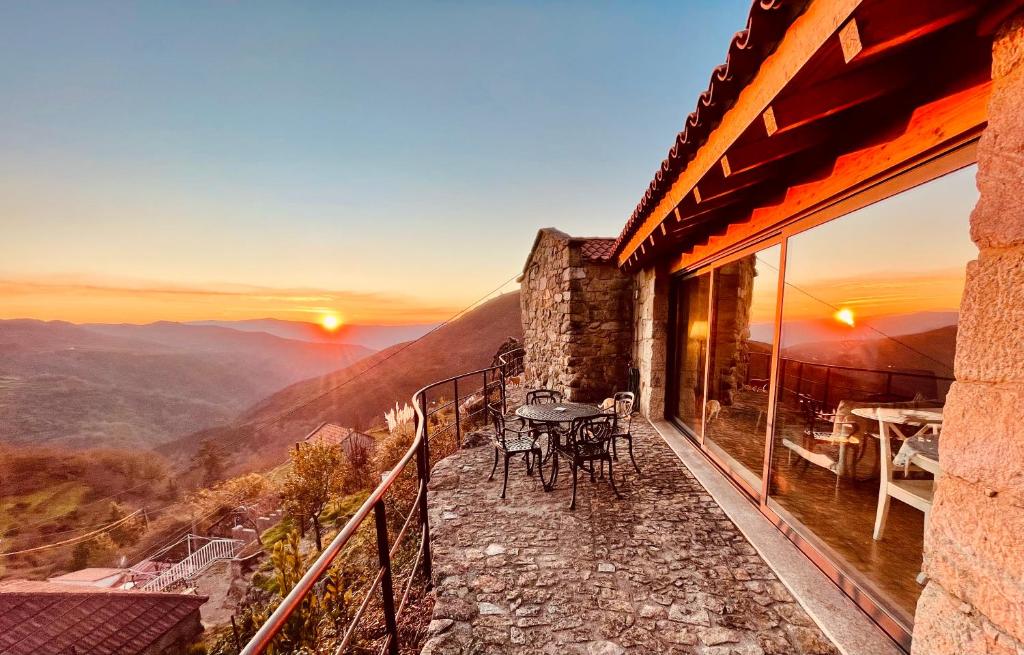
x: 358, y: 396
x: 376, y: 337
x: 138, y: 386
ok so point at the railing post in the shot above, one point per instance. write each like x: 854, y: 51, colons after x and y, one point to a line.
x: 458, y: 428
x: 387, y: 592
x: 888, y: 386
x: 828, y: 374
x: 487, y: 396
x: 423, y: 464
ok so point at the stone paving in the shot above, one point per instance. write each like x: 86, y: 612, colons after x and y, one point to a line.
x: 662, y: 570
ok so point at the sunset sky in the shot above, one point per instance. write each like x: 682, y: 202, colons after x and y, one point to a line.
x: 236, y: 160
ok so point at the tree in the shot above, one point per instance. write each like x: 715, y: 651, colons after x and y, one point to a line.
x: 358, y: 471
x: 211, y: 458
x: 315, y: 479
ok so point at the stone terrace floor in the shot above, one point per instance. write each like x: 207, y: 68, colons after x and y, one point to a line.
x: 662, y: 570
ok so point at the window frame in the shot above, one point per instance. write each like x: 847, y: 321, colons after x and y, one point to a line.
x: 853, y: 583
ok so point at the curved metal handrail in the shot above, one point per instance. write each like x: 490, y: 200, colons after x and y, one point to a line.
x: 373, y: 503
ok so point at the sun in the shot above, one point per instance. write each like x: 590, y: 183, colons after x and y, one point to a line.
x: 845, y: 315
x: 330, y: 322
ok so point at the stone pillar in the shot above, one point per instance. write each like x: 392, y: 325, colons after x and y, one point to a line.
x: 577, y: 319
x: 974, y: 544
x: 650, y: 338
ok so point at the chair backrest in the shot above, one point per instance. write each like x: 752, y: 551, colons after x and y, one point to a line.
x: 543, y: 397
x: 498, y: 421
x: 624, y: 403
x: 591, y: 434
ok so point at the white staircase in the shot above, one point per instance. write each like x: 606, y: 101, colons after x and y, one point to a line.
x: 200, y: 560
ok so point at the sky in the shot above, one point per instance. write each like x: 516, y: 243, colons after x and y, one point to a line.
x: 905, y: 254
x: 388, y: 162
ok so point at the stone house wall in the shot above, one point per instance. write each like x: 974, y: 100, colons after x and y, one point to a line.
x: 577, y: 318
x: 974, y: 543
x: 650, y: 338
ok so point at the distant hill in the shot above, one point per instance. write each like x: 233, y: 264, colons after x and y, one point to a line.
x: 828, y: 329
x: 140, y: 385
x: 376, y: 337
x: 359, y: 395
x: 929, y: 351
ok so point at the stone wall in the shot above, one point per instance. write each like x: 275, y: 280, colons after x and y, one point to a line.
x: 577, y: 319
x: 974, y: 545
x: 650, y: 338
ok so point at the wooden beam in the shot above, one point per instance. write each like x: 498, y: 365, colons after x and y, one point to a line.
x: 893, y: 24
x: 837, y: 94
x: 783, y: 145
x: 801, y: 41
x: 950, y: 119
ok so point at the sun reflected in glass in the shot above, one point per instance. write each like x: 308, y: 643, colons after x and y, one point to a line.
x: 845, y: 315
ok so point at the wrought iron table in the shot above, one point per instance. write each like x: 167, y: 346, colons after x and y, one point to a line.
x: 554, y: 415
x: 558, y: 412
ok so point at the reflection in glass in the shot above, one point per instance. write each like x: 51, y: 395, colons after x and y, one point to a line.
x: 743, y: 323
x: 691, y: 347
x: 869, y: 322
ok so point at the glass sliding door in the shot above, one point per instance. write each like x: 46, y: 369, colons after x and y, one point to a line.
x: 869, y: 324
x: 690, y: 301
x: 739, y: 363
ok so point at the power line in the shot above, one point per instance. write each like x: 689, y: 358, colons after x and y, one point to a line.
x: 74, y: 540
x: 259, y: 427
x: 867, y: 325
x: 265, y: 424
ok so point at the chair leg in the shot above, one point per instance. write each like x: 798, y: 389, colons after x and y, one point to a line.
x: 611, y: 478
x: 882, y: 514
x: 529, y: 463
x: 505, y: 483
x: 631, y: 458
x: 575, y: 475
x: 540, y: 468
x: 554, y: 472
x: 615, y: 448
x: 495, y: 467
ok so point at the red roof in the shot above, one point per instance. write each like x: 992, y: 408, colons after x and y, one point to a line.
x: 767, y: 22
x: 43, y: 617
x: 337, y: 435
x: 597, y: 249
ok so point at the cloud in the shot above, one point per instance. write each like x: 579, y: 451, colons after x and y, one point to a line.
x: 90, y: 300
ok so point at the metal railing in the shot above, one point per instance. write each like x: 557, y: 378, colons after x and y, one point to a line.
x: 492, y: 380
x: 197, y: 562
x: 829, y: 383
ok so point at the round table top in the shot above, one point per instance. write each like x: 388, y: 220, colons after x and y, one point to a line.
x: 558, y: 412
x: 900, y: 414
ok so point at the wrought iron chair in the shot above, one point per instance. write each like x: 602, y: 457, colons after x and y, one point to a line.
x: 622, y: 422
x: 587, y: 442
x: 511, y: 440
x: 543, y: 396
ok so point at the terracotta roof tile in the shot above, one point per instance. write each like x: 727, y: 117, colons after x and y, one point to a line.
x: 767, y: 22
x: 45, y: 617
x: 597, y: 249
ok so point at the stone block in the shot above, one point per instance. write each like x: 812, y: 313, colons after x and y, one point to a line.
x: 945, y: 624
x: 991, y: 327
x: 983, y: 435
x: 973, y: 549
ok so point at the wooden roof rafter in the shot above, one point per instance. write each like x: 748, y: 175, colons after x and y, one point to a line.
x: 749, y: 158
